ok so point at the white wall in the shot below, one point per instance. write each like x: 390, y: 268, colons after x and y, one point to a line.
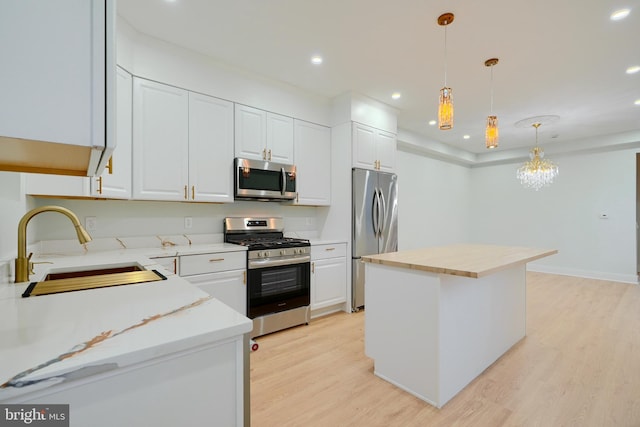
x: 564, y: 216
x: 433, y: 202
x: 13, y: 205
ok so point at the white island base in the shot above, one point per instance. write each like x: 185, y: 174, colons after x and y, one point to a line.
x: 432, y: 333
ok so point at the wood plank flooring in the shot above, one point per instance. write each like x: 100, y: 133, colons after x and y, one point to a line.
x: 579, y: 365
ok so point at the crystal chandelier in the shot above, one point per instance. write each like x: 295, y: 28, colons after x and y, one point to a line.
x: 445, y: 106
x: 537, y: 172
x: 491, y: 132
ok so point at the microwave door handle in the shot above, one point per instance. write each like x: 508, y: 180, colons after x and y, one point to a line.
x: 283, y: 181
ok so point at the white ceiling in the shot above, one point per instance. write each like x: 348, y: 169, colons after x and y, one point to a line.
x: 564, y: 58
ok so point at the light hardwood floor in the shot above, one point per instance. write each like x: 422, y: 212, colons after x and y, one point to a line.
x: 579, y: 365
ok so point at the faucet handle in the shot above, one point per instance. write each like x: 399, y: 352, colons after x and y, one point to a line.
x: 30, y: 264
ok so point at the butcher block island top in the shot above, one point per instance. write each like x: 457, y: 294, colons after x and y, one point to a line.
x: 466, y: 260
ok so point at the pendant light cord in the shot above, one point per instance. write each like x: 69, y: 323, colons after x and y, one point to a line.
x: 492, y: 90
x: 445, y: 56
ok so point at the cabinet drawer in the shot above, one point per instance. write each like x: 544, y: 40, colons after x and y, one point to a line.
x: 328, y: 251
x: 212, y: 262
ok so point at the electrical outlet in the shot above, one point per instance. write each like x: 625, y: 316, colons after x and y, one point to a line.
x: 188, y: 222
x: 90, y: 223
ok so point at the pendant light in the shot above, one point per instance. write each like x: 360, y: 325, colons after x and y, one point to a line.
x: 491, y: 132
x: 538, y: 172
x: 445, y: 107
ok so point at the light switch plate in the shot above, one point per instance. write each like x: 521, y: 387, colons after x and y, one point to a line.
x: 90, y: 223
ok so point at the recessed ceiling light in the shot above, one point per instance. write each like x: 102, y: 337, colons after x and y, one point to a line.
x: 432, y: 122
x: 316, y: 59
x: 396, y: 95
x: 620, y: 14
x: 467, y: 136
x: 637, y: 102
x: 633, y: 69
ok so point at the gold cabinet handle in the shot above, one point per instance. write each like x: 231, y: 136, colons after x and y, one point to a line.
x: 193, y: 192
x: 216, y: 259
x: 244, y: 277
x: 110, y: 165
x: 264, y: 154
x: 99, y: 185
x: 297, y: 197
x: 175, y: 266
x: 330, y: 249
x: 313, y: 267
x: 269, y: 154
x: 185, y: 193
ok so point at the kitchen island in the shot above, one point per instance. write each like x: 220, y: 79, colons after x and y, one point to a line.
x: 435, y: 318
x: 157, y: 353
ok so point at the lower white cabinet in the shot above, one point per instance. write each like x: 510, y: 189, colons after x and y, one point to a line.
x: 220, y: 274
x: 328, y: 276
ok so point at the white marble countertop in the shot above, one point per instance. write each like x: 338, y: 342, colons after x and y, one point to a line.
x: 49, y: 339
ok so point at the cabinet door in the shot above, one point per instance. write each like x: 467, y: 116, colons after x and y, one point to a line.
x: 386, y: 151
x: 228, y: 286
x: 210, y: 149
x: 329, y: 282
x: 313, y: 163
x: 160, y: 141
x: 115, y: 181
x: 279, y: 138
x: 57, y: 60
x: 250, y: 132
x: 364, y: 147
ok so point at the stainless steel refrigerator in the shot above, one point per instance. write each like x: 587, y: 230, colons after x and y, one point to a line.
x: 375, y: 223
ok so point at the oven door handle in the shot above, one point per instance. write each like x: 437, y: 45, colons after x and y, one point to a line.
x: 283, y: 181
x: 263, y: 263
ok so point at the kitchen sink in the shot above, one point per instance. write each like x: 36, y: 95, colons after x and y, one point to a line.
x: 92, y: 277
x: 94, y: 271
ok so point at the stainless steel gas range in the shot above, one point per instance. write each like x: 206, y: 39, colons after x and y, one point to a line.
x: 278, y: 273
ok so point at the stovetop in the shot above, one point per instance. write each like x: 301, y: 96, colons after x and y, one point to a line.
x: 256, y: 242
x: 260, y: 233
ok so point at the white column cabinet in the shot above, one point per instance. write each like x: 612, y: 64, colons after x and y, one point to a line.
x: 160, y: 141
x: 182, y: 145
x: 262, y: 135
x: 312, y: 148
x: 328, y: 276
x: 373, y: 148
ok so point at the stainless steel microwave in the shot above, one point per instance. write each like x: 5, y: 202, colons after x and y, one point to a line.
x: 260, y: 180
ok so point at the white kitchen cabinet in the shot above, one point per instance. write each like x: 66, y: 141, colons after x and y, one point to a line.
x: 328, y: 276
x: 210, y: 149
x: 220, y: 274
x: 312, y: 148
x: 262, y: 135
x: 115, y: 181
x: 57, y: 83
x: 160, y: 141
x: 373, y: 148
x: 169, y: 263
x: 182, y: 144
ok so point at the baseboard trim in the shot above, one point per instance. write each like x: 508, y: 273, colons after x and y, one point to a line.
x: 612, y: 277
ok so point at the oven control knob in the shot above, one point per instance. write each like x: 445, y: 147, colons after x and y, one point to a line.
x: 267, y: 253
x: 283, y: 252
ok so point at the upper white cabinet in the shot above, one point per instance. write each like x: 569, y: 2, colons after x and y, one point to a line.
x: 210, y: 148
x: 312, y: 148
x: 182, y: 144
x: 373, y: 148
x: 262, y: 135
x: 57, y: 84
x: 115, y: 181
x: 160, y: 141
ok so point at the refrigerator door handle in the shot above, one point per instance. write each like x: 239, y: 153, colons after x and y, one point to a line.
x: 383, y: 209
x: 375, y: 212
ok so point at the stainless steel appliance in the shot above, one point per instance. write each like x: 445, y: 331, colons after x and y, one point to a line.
x: 278, y: 273
x: 260, y: 180
x: 375, y: 223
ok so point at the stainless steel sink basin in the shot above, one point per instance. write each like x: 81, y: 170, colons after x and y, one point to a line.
x: 92, y: 277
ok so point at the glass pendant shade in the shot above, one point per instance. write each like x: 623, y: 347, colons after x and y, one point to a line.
x: 491, y: 132
x: 445, y: 109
